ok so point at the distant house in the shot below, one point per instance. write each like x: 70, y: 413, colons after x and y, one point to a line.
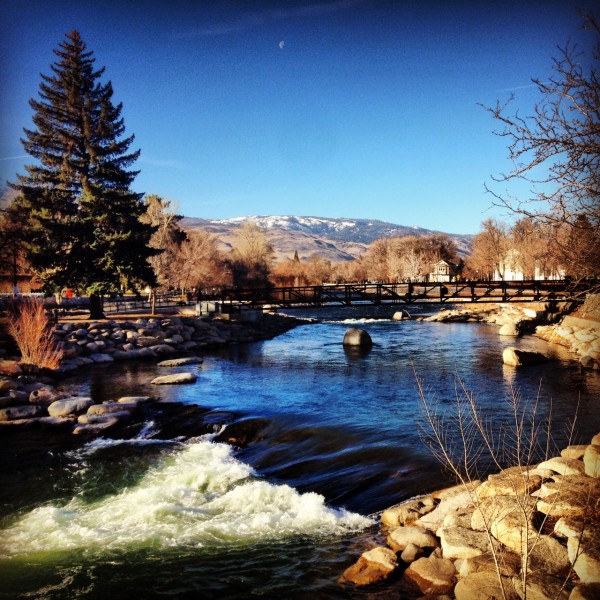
x: 443, y: 271
x: 511, y: 269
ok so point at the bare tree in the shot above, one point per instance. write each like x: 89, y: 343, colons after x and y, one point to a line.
x: 167, y: 237
x: 556, y: 151
x: 490, y: 249
x: 199, y: 263
x: 252, y: 257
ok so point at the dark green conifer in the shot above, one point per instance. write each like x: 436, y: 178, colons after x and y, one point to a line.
x: 84, y: 226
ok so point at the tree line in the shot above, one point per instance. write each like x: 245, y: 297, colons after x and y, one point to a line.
x: 73, y: 220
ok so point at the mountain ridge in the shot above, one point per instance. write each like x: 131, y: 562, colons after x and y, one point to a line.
x: 332, y: 238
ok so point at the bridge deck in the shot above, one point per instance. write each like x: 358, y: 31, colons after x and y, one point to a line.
x: 348, y: 294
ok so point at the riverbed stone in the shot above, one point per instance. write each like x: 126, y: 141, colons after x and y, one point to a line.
x: 163, y: 349
x: 26, y: 411
x: 7, y: 384
x: 357, y: 337
x: 10, y: 368
x: 178, y: 362
x: 69, y: 406
x: 110, y: 407
x: 591, y: 461
x: 91, y: 429
x: 174, y: 378
x: 432, y: 575
x: 136, y: 399
x: 372, y: 566
x: 101, y: 357
x: 101, y: 418
x: 45, y: 395
x: 521, y: 358
x: 400, y: 537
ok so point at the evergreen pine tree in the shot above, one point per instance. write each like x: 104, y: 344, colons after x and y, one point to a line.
x: 84, y: 226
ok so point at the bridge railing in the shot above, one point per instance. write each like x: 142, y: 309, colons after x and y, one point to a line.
x: 409, y: 293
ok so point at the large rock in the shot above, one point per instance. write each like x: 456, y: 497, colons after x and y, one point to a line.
x: 451, y: 501
x: 574, y: 452
x: 399, y: 539
x: 540, y: 586
x: 509, y: 482
x: 69, y: 406
x: 570, y: 496
x: 357, y: 337
x: 374, y: 565
x: 407, y: 513
x: 591, y: 461
x: 508, y: 518
x: 549, y: 556
x: 460, y: 542
x: 563, y: 466
x: 484, y: 585
x: 584, y: 554
x: 521, y: 358
x: 509, y: 330
x: 507, y: 562
x: 175, y: 378
x: 432, y: 575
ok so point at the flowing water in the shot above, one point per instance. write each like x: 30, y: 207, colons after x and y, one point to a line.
x: 330, y: 438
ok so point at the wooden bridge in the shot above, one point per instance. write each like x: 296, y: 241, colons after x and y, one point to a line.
x: 348, y: 294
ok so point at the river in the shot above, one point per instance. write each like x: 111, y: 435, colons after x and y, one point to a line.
x: 333, y: 437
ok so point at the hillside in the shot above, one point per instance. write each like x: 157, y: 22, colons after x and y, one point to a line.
x: 332, y: 239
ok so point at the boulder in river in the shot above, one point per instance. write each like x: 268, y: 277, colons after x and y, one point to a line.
x: 357, y: 337
x: 175, y: 378
x: 521, y: 358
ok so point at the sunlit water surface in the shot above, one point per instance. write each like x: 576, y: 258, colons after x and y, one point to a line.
x: 336, y: 438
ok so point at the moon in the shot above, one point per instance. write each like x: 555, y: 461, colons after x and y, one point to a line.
x: 281, y: 44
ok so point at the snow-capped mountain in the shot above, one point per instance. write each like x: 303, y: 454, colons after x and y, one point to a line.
x: 334, y: 239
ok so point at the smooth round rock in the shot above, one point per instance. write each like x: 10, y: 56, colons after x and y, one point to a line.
x: 357, y: 337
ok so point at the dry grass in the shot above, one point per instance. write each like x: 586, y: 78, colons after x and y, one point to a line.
x: 31, y: 328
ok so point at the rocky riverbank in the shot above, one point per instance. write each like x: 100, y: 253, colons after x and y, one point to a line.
x: 542, y: 521
x: 29, y: 398
x: 566, y: 324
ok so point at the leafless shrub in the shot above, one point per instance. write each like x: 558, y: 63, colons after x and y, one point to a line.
x: 464, y: 441
x: 31, y: 329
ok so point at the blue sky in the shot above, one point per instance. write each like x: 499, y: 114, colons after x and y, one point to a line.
x: 337, y: 108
